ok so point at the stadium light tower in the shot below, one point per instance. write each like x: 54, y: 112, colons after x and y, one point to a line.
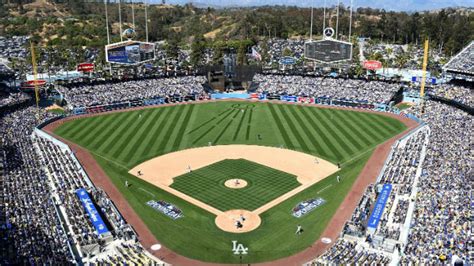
x: 337, y: 18
x: 350, y: 21
x: 107, y: 22
x: 312, y: 19
x: 120, y: 19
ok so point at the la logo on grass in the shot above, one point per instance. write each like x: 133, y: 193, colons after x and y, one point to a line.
x: 239, y: 249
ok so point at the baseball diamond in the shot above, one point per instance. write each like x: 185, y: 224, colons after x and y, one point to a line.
x: 207, y: 184
x: 166, y: 133
x: 122, y: 141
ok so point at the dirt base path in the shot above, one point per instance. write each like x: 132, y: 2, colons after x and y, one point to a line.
x: 147, y: 239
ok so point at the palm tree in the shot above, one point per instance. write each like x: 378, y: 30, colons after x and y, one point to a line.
x: 401, y: 60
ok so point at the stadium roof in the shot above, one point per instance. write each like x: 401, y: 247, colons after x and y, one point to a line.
x: 463, y: 62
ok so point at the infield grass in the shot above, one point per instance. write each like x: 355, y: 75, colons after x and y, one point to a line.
x: 120, y: 141
x: 263, y: 184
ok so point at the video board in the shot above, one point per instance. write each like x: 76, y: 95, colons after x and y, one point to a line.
x: 328, y: 51
x: 130, y: 52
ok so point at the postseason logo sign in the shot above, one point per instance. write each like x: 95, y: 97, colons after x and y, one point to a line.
x: 307, y: 206
x: 166, y: 208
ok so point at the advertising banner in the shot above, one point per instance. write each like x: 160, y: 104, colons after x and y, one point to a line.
x: 289, y: 98
x: 94, y: 216
x: 374, y: 218
x: 372, y: 65
x: 85, y: 67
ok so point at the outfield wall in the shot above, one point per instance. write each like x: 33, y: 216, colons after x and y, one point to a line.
x: 238, y: 96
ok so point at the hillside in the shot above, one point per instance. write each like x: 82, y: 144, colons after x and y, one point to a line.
x: 58, y: 24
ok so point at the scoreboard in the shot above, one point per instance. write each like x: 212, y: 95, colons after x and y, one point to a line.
x: 130, y: 52
x: 328, y: 51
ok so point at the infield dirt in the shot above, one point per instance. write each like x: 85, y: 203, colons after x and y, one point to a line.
x: 161, y: 170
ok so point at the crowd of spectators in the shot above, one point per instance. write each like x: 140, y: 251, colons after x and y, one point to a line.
x: 66, y: 177
x: 30, y: 229
x: 13, y: 47
x: 440, y: 192
x: 399, y: 171
x: 276, y: 48
x: 342, y: 89
x: 401, y: 56
x: 105, y: 93
x: 461, y: 94
x: 346, y: 252
x: 125, y: 252
x: 13, y: 99
x: 441, y: 227
x: 42, y: 220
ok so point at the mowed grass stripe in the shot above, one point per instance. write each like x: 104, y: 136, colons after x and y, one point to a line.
x: 340, y: 130
x: 182, y: 129
x: 367, y: 127
x: 119, y: 133
x: 354, y: 141
x: 328, y: 131
x: 374, y: 126
x: 293, y: 128
x: 96, y: 131
x: 392, y: 124
x: 280, y: 126
x: 208, y: 121
x: 132, y: 146
x: 211, y: 128
x: 225, y: 116
x: 225, y: 128
x: 152, y: 135
x: 93, y: 122
x: 249, y: 124
x: 171, y: 127
x: 68, y: 129
x: 381, y: 126
x: 168, y: 145
x: 303, y: 124
x: 353, y: 125
x: 128, y: 135
x: 236, y: 133
x: 107, y: 134
x: 326, y: 146
x: 204, y: 134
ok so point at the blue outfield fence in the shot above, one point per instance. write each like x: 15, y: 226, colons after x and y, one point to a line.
x: 246, y: 96
x: 218, y: 96
x: 94, y: 215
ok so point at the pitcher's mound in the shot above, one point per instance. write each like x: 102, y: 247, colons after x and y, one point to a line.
x: 235, y: 183
x: 228, y: 221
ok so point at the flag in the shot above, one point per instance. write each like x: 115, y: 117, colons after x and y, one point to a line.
x: 256, y: 54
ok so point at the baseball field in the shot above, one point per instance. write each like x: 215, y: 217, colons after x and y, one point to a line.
x: 123, y: 141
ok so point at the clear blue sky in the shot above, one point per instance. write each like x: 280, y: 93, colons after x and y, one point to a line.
x: 397, y: 5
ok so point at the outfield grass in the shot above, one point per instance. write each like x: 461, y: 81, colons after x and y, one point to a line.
x: 119, y: 141
x: 264, y: 184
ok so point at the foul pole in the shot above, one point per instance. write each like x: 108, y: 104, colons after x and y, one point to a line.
x: 35, y: 73
x: 425, y: 64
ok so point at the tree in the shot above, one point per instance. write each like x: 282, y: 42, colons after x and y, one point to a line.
x: 242, y: 55
x: 287, y: 52
x: 401, y: 60
x: 198, y: 48
x: 172, y: 47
